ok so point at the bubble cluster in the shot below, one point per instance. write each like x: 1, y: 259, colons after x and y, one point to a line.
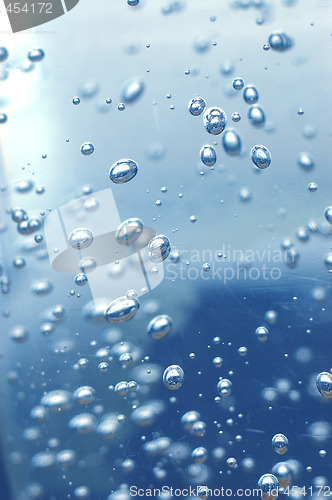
x: 280, y: 41
x: 256, y: 116
x: 224, y: 387
x: 159, y: 327
x: 87, y: 148
x: 238, y: 83
x: 36, y: 55
x: 208, y: 155
x: 173, y: 377
x: 305, y: 161
x: 269, y: 485
x: 231, y: 142
x: 328, y: 214
x: 250, y: 94
x: 132, y: 89
x: 80, y: 238
x: 261, y: 333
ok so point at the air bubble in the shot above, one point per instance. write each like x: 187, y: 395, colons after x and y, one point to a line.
x: 159, y: 327
x: 123, y: 171
x: 87, y: 148
x: 208, y: 155
x: 280, y: 443
x: 121, y: 310
x: 173, y: 377
x: 36, y: 55
x: 250, y: 94
x: 256, y: 116
x: 196, y: 106
x: 305, y: 161
x: 261, y: 156
x: 328, y: 214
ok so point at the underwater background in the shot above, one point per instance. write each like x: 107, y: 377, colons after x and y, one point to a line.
x: 237, y: 291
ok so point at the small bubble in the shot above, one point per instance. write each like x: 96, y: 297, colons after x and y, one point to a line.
x: 305, y: 161
x: 224, y: 387
x: 173, y: 377
x: 238, y: 83
x: 236, y: 117
x: 256, y: 116
x: 208, y: 155
x: 324, y: 384
x: 36, y: 55
x: 159, y: 248
x: 121, y: 310
x: 217, y: 362
x: 245, y: 194
x: 261, y: 333
x: 242, y: 351
x: 81, y: 279
x: 87, y: 148
x: 215, y: 120
x: 80, y: 238
x: 132, y: 90
x: 261, y: 157
x: 269, y: 485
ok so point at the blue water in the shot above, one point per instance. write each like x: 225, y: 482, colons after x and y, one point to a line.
x: 135, y: 69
